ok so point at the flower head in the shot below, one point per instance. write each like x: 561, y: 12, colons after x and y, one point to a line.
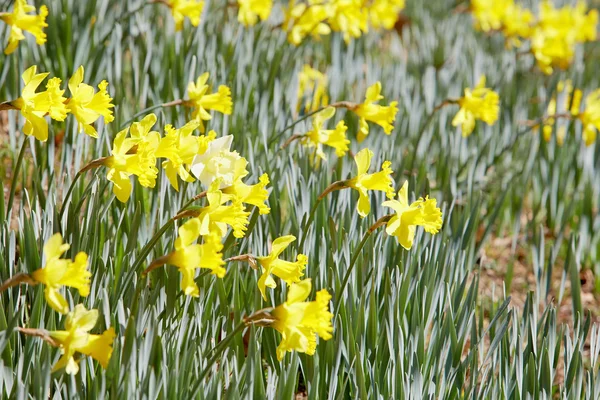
x: 300, y: 322
x: 133, y: 155
x: 349, y: 17
x: 19, y: 21
x: 336, y: 138
x: 383, y: 116
x: 77, y: 339
x: 216, y: 216
x: 86, y: 105
x: 304, y: 19
x: 216, y: 162
x: 423, y: 212
x: 181, y: 9
x: 59, y: 272
x: 480, y: 103
x: 189, y: 256
x: 363, y: 181
x: 35, y: 106
x: 289, y: 271
x: 590, y: 116
x: 312, y: 84
x: 255, y: 195
x: 384, y: 13
x: 179, y: 147
x: 203, y: 101
x: 251, y: 10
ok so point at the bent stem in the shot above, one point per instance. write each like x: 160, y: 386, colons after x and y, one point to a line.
x: 13, y: 186
x: 41, y: 333
x: 148, y: 247
x: 339, y: 185
x: 17, y: 279
x: 380, y: 222
x: 154, y: 107
x: 92, y: 164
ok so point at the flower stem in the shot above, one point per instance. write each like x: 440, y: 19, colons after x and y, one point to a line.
x: 380, y: 222
x: 13, y: 186
x: 148, y: 247
x: 41, y: 333
x: 154, y: 107
x: 17, y: 279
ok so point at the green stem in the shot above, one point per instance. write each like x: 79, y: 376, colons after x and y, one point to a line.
x: 13, y: 186
x: 152, y: 108
x: 381, y: 221
x: 63, y: 207
x: 216, y: 354
x: 148, y: 247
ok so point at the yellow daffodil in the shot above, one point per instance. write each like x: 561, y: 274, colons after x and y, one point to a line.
x: 363, y: 182
x: 384, y: 13
x: 59, y: 272
x: 300, y: 322
x: 312, y: 85
x: 35, y: 106
x: 181, y: 9
x: 289, y: 271
x: 564, y: 99
x: 255, y: 195
x: 179, y: 147
x: 203, y: 101
x: 216, y: 162
x: 489, y: 15
x: 216, y: 216
x: 517, y: 24
x: 133, y: 155
x: 19, y: 20
x: 423, y: 212
x: 304, y: 19
x: 251, y: 10
x: 349, y: 17
x: 480, y: 103
x: 77, y: 339
x: 189, y: 255
x: 383, y: 116
x: 317, y: 137
x: 590, y: 116
x: 86, y: 105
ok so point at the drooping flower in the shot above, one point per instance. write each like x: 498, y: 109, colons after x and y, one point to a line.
x: 181, y: 9
x: 59, y: 272
x: 363, y: 182
x: 86, y: 105
x: 19, y: 20
x: 383, y: 116
x: 318, y: 136
x: 133, y: 155
x: 204, y: 102
x: 35, y: 106
x: 190, y: 256
x: 423, y: 212
x: 384, y: 13
x: 300, y: 322
x: 216, y: 216
x: 217, y: 162
x: 255, y: 195
x: 251, y: 10
x: 289, y: 271
x: 304, y: 19
x: 77, y: 339
x: 312, y: 85
x: 179, y: 147
x: 480, y: 103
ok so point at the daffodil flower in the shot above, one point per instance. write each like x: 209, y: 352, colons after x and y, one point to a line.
x: 304, y: 19
x: 317, y: 137
x: 217, y: 162
x: 289, y: 271
x: 35, y: 106
x: 19, y: 20
x: 350, y: 17
x: 86, y: 105
x: 59, y: 272
x: 181, y: 9
x: 203, y: 101
x: 480, y: 103
x: 312, y: 84
x: 251, y: 10
x: 255, y: 195
x: 216, y: 216
x: 134, y: 155
x: 77, y: 339
x: 590, y: 116
x: 300, y: 322
x: 383, y: 116
x: 423, y: 212
x: 384, y: 13
x: 179, y: 147
x: 363, y: 182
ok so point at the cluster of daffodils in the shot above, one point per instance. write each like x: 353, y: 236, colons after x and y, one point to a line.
x: 85, y: 104
x: 569, y: 104
x: 553, y: 34
x: 75, y: 338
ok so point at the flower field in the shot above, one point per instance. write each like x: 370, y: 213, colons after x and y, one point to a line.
x: 323, y: 199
